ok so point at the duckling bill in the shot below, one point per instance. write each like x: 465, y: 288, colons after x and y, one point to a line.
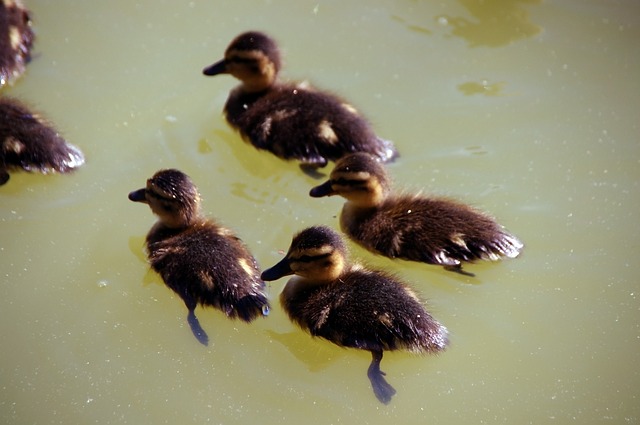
x: 352, y: 306
x: 292, y: 121
x: 413, y: 227
x: 201, y: 261
x: 16, y: 39
x: 28, y: 142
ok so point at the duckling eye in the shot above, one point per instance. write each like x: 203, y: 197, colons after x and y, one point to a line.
x: 166, y: 206
x: 309, y: 258
x: 354, y: 184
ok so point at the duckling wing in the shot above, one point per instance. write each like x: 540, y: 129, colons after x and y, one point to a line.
x: 298, y: 123
x: 371, y: 311
x: 209, y: 267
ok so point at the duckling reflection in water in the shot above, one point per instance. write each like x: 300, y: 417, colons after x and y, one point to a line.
x: 352, y: 306
x: 16, y: 39
x: 432, y: 230
x: 201, y: 261
x: 27, y: 141
x: 292, y: 121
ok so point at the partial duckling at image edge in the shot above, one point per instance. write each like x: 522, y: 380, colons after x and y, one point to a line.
x: 201, y: 261
x: 353, y: 306
x: 433, y: 230
x: 293, y: 121
x: 30, y: 143
x: 16, y: 39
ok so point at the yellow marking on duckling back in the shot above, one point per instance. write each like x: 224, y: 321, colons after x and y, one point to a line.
x: 326, y: 132
x: 9, y: 3
x: 283, y: 114
x: 386, y: 320
x: 350, y: 108
x: 246, y: 266
x: 223, y: 231
x: 412, y: 294
x: 266, y: 127
x: 206, y: 279
x: 11, y: 144
x: 14, y: 37
x: 458, y: 239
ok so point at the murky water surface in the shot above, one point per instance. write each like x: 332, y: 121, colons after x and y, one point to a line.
x: 526, y: 109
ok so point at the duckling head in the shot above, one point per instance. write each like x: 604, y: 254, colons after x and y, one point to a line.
x: 172, y: 196
x: 317, y: 254
x: 359, y: 178
x: 253, y: 58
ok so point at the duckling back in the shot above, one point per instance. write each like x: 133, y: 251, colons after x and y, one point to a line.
x: 306, y: 125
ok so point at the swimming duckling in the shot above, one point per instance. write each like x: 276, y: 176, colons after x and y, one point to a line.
x: 352, y: 306
x: 201, y: 261
x: 432, y: 230
x: 27, y: 141
x: 293, y: 121
x: 16, y: 38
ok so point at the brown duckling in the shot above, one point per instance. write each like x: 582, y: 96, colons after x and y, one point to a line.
x: 292, y: 121
x: 27, y: 141
x: 353, y: 306
x: 201, y: 261
x: 16, y: 39
x: 432, y: 230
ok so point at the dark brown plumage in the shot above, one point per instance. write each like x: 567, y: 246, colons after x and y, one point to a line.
x: 27, y: 141
x: 202, y: 262
x: 16, y: 39
x: 352, y: 306
x: 293, y: 121
x: 413, y: 227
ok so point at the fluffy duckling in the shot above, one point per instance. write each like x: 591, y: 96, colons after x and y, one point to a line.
x: 27, y: 141
x: 201, y: 261
x: 16, y: 38
x: 432, y: 230
x: 292, y: 121
x: 352, y: 306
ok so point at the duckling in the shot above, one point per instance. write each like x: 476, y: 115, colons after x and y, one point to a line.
x: 29, y: 142
x: 353, y: 306
x: 292, y: 121
x: 432, y: 230
x: 201, y: 261
x: 16, y: 39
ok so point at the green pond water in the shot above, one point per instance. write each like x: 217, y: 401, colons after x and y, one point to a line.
x: 526, y: 109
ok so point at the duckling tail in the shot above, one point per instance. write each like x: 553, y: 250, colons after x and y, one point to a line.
x: 251, y: 306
